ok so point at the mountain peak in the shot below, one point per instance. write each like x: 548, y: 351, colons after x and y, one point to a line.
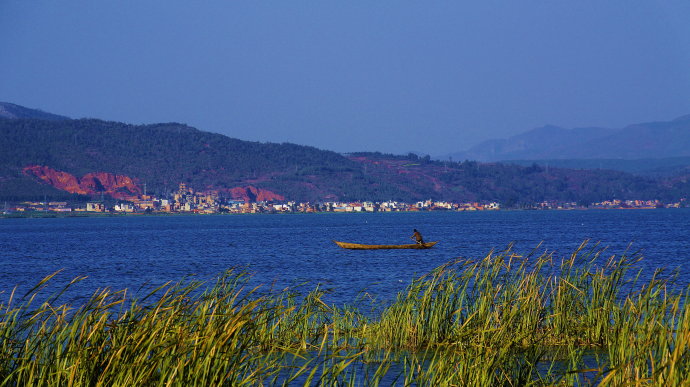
x: 13, y: 111
x: 682, y: 118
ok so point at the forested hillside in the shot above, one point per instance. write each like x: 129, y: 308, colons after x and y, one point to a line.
x: 164, y: 155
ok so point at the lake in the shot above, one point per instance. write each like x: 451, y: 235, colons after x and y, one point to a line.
x: 281, y: 250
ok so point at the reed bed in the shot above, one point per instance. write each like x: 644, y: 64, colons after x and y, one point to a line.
x: 504, y: 319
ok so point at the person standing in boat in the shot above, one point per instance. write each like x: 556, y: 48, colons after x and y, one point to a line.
x: 417, y: 236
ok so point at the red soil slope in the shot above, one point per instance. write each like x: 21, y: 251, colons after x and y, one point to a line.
x: 117, y: 186
x: 253, y: 194
x: 124, y: 187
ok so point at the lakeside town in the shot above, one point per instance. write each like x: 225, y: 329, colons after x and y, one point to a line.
x: 187, y: 200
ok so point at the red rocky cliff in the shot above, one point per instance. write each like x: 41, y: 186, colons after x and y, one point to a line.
x: 117, y: 186
x: 253, y: 194
x: 125, y: 187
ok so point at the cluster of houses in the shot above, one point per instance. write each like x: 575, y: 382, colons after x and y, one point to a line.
x: 611, y: 204
x: 186, y: 200
x: 241, y: 207
x: 638, y: 204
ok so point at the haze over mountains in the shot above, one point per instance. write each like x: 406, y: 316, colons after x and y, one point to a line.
x: 639, y: 141
x: 44, y: 154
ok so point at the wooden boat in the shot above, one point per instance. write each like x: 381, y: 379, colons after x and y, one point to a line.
x: 359, y: 246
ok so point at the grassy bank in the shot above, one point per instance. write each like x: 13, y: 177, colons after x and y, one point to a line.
x: 504, y: 319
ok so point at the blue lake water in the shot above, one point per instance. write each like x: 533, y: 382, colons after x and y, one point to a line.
x: 131, y: 251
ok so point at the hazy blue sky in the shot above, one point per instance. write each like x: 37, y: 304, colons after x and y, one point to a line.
x: 395, y: 76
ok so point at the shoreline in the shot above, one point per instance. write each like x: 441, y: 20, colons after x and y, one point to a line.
x: 84, y: 214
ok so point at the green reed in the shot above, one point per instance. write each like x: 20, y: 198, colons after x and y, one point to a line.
x: 504, y: 319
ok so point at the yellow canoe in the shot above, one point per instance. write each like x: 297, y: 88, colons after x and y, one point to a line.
x: 359, y: 246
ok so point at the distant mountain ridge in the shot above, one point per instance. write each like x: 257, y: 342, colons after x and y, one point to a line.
x: 12, y: 111
x: 57, y: 159
x: 650, y: 140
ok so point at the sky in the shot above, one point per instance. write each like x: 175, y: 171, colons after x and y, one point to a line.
x: 433, y: 77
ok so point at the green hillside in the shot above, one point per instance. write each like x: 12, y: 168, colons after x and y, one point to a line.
x: 163, y: 155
